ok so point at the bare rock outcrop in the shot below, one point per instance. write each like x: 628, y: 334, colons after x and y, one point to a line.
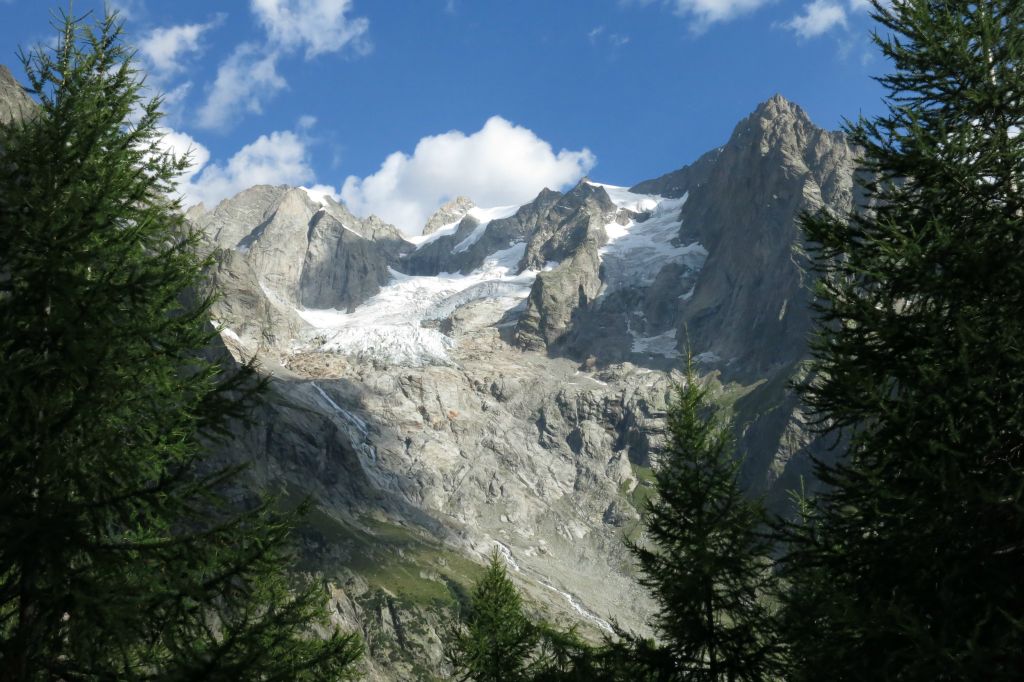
x: 15, y: 103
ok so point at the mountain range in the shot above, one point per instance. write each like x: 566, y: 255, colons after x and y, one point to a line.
x: 500, y: 382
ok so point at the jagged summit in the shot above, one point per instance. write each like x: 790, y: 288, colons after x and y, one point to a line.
x: 451, y: 212
x: 778, y: 105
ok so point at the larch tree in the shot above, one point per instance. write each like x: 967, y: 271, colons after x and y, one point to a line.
x: 910, y: 565
x: 121, y: 555
x: 706, y: 556
x: 497, y: 642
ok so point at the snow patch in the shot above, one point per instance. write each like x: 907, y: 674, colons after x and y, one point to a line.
x: 318, y: 194
x: 387, y: 328
x: 421, y: 240
x: 485, y: 216
x: 662, y: 344
x: 623, y: 198
x: 637, y: 251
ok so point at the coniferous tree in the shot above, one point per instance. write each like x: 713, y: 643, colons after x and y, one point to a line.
x: 911, y: 563
x: 498, y: 642
x: 120, y: 555
x: 706, y: 564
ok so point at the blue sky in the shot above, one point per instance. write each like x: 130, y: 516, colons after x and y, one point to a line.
x: 398, y: 105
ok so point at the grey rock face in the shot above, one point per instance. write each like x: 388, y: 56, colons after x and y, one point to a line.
x: 262, y: 323
x: 451, y: 212
x: 280, y: 251
x: 15, y: 104
x: 236, y: 218
x: 341, y: 268
x: 745, y: 309
x: 571, y: 234
x: 750, y: 306
x: 452, y: 253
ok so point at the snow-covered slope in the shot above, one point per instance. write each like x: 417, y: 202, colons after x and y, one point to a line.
x: 388, y: 327
x: 483, y: 215
x: 638, y: 250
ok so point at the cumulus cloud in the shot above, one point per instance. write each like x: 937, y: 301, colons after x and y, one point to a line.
x: 818, y: 18
x: 280, y: 158
x: 704, y: 13
x: 128, y: 9
x: 500, y: 164
x: 707, y: 12
x: 249, y: 77
x: 181, y: 144
x: 164, y: 48
x: 319, y: 26
x: 244, y: 82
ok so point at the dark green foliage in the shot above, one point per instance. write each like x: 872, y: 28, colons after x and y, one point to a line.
x: 498, y: 641
x: 910, y: 566
x: 120, y: 554
x: 706, y: 564
x: 626, y: 658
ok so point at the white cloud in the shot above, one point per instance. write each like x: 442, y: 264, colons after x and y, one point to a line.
x: 707, y: 12
x: 128, y: 9
x: 164, y: 48
x: 501, y: 164
x: 703, y: 12
x: 275, y: 159
x: 280, y: 158
x: 597, y: 35
x: 818, y: 18
x: 249, y: 77
x: 244, y: 82
x: 180, y: 144
x: 321, y: 26
x: 861, y: 5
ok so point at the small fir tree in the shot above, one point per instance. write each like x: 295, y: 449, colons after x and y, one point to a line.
x: 120, y: 556
x: 706, y: 559
x: 498, y: 641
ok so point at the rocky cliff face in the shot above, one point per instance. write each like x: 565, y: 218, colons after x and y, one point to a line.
x: 282, y: 251
x: 750, y: 306
x: 500, y: 383
x: 15, y: 103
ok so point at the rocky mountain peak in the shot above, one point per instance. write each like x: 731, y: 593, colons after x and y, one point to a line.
x: 451, y: 212
x: 777, y: 125
x: 586, y: 190
x: 776, y: 106
x: 15, y: 103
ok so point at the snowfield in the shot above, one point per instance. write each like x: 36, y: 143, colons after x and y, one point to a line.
x: 662, y: 344
x: 483, y: 215
x: 387, y: 328
x: 637, y: 251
